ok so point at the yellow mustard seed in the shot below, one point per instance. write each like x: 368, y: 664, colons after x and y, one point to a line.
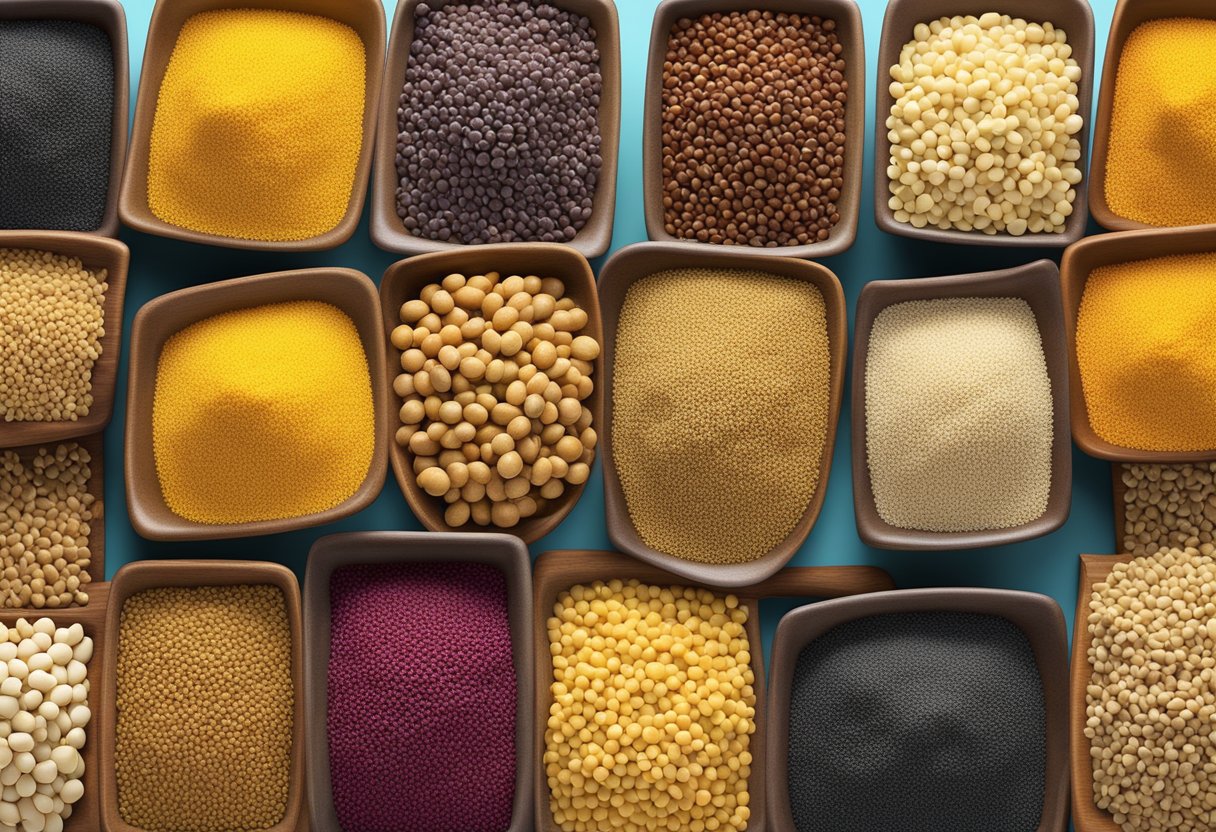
x: 263, y: 413
x: 258, y: 125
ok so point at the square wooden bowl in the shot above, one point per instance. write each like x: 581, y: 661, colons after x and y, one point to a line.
x: 107, y: 15
x: 848, y: 28
x: 1128, y: 15
x: 1079, y: 261
x: 86, y: 815
x: 506, y: 553
x: 1073, y: 16
x: 1086, y: 816
x: 161, y: 318
x: 366, y: 17
x: 1037, y: 616
x: 95, y: 253
x: 592, y: 239
x: 556, y: 572
x: 97, y: 527
x: 141, y: 575
x: 1036, y: 283
x: 406, y: 278
x: 635, y: 262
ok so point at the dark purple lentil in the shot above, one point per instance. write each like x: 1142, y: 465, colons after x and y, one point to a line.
x: 422, y: 698
x: 499, y: 123
x: 56, y: 118
x: 918, y: 722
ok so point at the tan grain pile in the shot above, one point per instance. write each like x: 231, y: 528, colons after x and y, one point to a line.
x: 720, y: 409
x: 52, y: 319
x: 958, y: 415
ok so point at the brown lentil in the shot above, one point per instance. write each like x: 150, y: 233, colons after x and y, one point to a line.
x: 720, y: 409
x: 204, y: 703
x: 753, y: 128
x: 46, y: 514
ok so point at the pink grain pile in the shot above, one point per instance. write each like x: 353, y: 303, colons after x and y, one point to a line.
x: 422, y: 697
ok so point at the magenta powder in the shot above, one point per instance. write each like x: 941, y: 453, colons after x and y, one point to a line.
x: 422, y: 697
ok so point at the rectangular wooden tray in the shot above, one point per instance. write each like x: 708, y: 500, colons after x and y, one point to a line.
x: 556, y: 572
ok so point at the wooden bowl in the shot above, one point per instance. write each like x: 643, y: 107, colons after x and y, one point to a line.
x: 1037, y: 616
x: 406, y: 278
x: 1086, y: 816
x: 140, y: 575
x: 504, y: 552
x: 848, y: 28
x: 366, y: 17
x: 641, y: 260
x: 592, y: 239
x: 95, y: 253
x: 162, y: 317
x: 1079, y: 261
x: 1035, y: 283
x: 1073, y: 16
x: 107, y: 15
x: 97, y: 527
x: 1128, y: 15
x: 556, y: 572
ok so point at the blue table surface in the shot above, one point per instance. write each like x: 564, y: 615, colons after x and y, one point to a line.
x: 1048, y: 564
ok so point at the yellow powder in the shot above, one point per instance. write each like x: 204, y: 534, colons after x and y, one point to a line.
x: 258, y: 125
x: 1145, y: 350
x: 1161, y: 162
x: 263, y: 413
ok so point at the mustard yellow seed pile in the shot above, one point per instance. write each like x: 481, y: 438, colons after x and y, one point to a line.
x: 46, y: 516
x: 1150, y: 701
x: 258, y: 125
x: 720, y: 409
x: 52, y: 319
x: 263, y: 413
x: 1161, y: 156
x: 653, y: 709
x: 204, y: 709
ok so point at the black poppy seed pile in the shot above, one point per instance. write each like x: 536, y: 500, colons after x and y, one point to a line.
x: 422, y: 698
x: 918, y: 722
x: 56, y: 118
x: 499, y: 123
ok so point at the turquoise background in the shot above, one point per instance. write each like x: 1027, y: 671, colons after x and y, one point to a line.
x: 1048, y: 564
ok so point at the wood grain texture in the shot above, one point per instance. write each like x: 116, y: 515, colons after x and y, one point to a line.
x: 1073, y: 16
x: 159, y: 319
x: 107, y: 15
x: 1036, y: 283
x: 1128, y: 15
x: 1038, y: 617
x: 1086, y: 817
x: 847, y: 16
x: 140, y: 575
x: 635, y: 262
x: 366, y: 17
x: 406, y: 278
x: 94, y: 253
x: 555, y: 572
x: 505, y: 552
x: 1078, y: 263
x: 594, y: 238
